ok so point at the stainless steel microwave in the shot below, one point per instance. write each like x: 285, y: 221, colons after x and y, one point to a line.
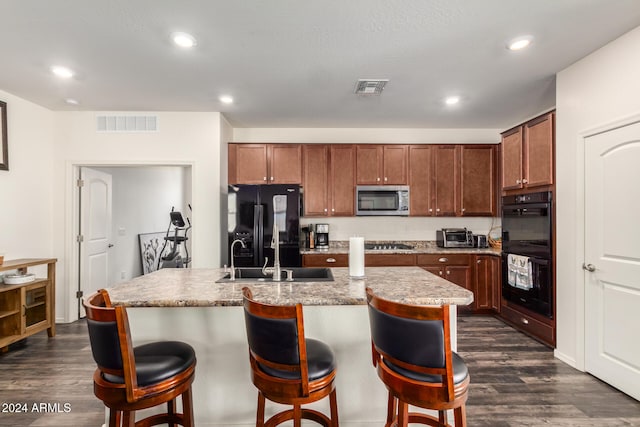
x: 382, y: 200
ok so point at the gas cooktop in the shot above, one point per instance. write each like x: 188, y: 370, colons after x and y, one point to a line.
x: 386, y: 246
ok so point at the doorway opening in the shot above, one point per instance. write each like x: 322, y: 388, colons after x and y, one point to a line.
x: 121, y: 220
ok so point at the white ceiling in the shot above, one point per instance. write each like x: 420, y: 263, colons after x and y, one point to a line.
x: 295, y: 63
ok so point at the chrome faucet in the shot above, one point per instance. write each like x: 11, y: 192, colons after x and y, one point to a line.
x: 232, y: 275
x: 275, y: 271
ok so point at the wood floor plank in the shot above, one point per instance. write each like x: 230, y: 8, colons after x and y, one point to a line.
x: 515, y: 382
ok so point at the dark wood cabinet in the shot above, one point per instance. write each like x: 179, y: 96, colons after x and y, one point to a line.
x: 389, y: 260
x: 478, y: 189
x: 455, y: 268
x: 382, y: 164
x: 265, y: 164
x: 328, y: 180
x: 528, y: 154
x: 420, y: 181
x: 325, y: 260
x: 532, y: 324
x: 315, y: 180
x: 445, y: 171
x: 487, y: 283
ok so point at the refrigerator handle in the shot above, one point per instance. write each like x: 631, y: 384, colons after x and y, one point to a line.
x: 258, y: 235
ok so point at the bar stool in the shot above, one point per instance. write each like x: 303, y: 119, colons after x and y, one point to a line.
x: 132, y: 378
x: 286, y: 368
x: 412, y: 352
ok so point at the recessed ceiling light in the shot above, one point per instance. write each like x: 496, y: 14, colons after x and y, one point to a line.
x: 184, y: 40
x: 452, y: 100
x: 71, y: 101
x: 226, y: 99
x: 62, y: 72
x: 520, y: 43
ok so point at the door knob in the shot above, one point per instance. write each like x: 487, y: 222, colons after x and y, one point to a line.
x: 589, y: 267
x: 110, y: 245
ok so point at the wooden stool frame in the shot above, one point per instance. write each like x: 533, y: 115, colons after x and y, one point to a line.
x: 124, y: 399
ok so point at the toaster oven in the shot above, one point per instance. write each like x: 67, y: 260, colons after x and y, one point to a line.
x: 454, y: 238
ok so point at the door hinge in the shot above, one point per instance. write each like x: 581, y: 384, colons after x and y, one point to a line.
x: 79, y: 294
x: 79, y: 238
x: 80, y: 183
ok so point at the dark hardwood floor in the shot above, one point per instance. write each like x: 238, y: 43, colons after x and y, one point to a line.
x: 515, y: 381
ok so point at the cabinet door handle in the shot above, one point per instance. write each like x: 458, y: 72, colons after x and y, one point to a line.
x: 443, y: 259
x: 430, y: 209
x: 524, y: 181
x: 325, y: 209
x: 378, y: 179
x: 463, y: 209
x: 525, y: 321
x: 264, y: 178
x: 448, y: 272
x: 333, y: 210
x: 271, y: 178
x: 518, y: 181
x: 440, y: 272
x: 438, y: 210
x: 479, y: 261
x: 331, y: 260
x: 385, y: 179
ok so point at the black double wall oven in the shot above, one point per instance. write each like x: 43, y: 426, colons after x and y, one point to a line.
x: 527, y: 221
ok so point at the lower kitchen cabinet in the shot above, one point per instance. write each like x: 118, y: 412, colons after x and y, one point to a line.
x: 486, y: 290
x: 455, y: 268
x: 325, y: 260
x: 389, y: 260
x: 532, y: 324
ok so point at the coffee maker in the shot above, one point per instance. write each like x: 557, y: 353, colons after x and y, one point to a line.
x: 322, y: 236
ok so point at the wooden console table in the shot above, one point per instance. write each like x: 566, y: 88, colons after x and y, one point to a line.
x: 27, y: 308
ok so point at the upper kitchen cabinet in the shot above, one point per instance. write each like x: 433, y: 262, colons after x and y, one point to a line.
x: 478, y: 187
x: 265, y: 164
x: 446, y: 169
x: 329, y: 180
x: 453, y: 180
x: 382, y: 164
x: 420, y: 181
x: 527, y: 154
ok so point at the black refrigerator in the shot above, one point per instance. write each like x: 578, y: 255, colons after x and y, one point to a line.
x: 253, y: 209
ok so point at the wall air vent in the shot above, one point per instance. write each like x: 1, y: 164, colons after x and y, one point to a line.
x: 121, y: 123
x: 370, y: 86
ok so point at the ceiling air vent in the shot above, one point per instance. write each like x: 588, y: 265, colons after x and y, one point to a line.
x: 370, y: 86
x: 127, y: 123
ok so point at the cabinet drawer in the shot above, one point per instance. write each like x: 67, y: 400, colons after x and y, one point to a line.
x: 529, y: 325
x: 448, y: 259
x: 389, y: 260
x: 325, y: 260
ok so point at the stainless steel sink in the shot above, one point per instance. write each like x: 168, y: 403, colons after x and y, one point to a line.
x: 300, y: 274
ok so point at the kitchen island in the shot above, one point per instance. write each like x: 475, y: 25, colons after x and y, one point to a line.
x: 188, y: 305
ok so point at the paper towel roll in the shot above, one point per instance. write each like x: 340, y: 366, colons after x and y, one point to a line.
x: 356, y: 256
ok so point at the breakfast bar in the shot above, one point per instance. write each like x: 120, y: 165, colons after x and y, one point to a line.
x: 192, y: 305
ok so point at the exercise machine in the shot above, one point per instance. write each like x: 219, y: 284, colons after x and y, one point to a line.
x: 176, y: 236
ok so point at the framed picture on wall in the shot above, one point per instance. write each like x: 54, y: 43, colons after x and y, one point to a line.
x: 151, y: 245
x: 4, y: 145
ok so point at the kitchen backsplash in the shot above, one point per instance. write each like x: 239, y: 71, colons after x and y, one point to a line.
x: 400, y: 228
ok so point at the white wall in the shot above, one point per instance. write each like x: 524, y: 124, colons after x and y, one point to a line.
x: 183, y: 139
x: 142, y: 200
x: 598, y: 90
x: 381, y: 228
x: 26, y: 190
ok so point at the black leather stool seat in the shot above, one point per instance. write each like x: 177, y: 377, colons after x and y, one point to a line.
x: 320, y: 362
x: 158, y: 361
x: 460, y: 371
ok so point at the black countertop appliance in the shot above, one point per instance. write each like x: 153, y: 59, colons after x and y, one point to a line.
x: 252, y: 211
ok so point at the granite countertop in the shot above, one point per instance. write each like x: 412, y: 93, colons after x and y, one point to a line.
x: 196, y: 287
x: 419, y: 247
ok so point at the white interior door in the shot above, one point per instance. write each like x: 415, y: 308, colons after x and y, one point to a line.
x: 612, y: 257
x: 95, y: 229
